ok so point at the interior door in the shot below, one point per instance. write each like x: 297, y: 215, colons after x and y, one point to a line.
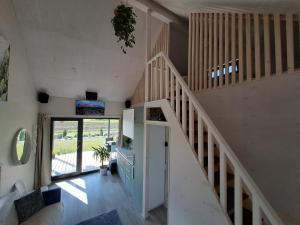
x: 65, y: 156
x: 157, y: 166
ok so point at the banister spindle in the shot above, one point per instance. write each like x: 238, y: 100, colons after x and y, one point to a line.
x: 167, y: 76
x: 290, y: 43
x: 226, y: 49
x: 256, y: 212
x: 200, y: 139
x: 147, y: 83
x: 238, y: 201
x: 191, y: 123
x: 210, y: 157
x: 278, y: 50
x: 257, y: 46
x: 267, y: 45
x: 223, y: 178
x: 161, y: 78
x: 172, y: 89
x: 184, y: 119
x: 177, y: 100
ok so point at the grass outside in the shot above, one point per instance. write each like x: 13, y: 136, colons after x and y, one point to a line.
x: 95, y: 132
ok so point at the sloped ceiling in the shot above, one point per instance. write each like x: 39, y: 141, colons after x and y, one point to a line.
x: 71, y: 48
x: 183, y: 7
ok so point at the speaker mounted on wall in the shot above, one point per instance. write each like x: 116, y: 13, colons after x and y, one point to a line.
x: 92, y: 96
x: 43, y: 97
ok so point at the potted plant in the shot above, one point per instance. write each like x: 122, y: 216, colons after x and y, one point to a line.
x: 102, y: 153
x: 124, y: 26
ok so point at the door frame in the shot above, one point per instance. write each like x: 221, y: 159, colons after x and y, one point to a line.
x: 79, y: 143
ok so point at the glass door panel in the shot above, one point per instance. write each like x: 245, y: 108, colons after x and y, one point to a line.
x: 95, y: 133
x: 64, y: 148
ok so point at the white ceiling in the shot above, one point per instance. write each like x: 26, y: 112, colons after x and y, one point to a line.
x: 72, y: 48
x: 183, y: 7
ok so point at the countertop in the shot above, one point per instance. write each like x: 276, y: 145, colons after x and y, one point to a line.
x: 127, y: 154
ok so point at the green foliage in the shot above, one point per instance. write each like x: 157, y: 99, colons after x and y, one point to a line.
x: 101, y: 153
x: 124, y: 25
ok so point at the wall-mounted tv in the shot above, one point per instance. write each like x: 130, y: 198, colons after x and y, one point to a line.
x: 87, y: 107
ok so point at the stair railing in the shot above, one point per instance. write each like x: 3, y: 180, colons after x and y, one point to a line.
x: 163, y: 81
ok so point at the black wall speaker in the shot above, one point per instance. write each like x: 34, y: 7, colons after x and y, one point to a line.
x: 43, y: 97
x: 91, y: 95
x: 127, y: 104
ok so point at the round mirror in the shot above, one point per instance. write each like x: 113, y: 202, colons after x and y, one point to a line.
x: 21, y: 147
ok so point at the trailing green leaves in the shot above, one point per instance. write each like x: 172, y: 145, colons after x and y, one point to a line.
x: 124, y: 25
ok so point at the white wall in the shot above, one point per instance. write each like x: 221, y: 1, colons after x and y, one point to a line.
x: 191, y: 197
x: 66, y: 107
x: 260, y: 121
x: 21, y: 108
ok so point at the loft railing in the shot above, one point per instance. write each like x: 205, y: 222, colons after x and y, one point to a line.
x: 264, y: 46
x: 162, y: 81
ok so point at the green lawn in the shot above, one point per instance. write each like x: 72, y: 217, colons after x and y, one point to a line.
x: 95, y: 132
x: 68, y: 146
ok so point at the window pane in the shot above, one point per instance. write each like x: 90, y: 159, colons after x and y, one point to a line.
x: 64, y: 151
x: 95, y: 132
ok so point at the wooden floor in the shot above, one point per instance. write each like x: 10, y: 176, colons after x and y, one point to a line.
x: 91, y: 195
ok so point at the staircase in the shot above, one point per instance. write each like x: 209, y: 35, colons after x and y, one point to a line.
x: 238, y: 195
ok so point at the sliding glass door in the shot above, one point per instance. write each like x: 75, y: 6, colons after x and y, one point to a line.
x: 64, y: 147
x: 73, y: 141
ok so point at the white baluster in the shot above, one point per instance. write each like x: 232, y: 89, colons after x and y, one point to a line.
x: 177, y: 100
x: 161, y: 79
x: 167, y: 80
x: 191, y: 123
x: 184, y: 119
x: 147, y: 83
x: 223, y: 179
x: 210, y: 158
x: 172, y: 89
x: 256, y: 212
x: 238, y: 201
x: 200, y: 139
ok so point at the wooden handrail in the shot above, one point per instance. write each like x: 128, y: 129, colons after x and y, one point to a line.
x: 174, y: 86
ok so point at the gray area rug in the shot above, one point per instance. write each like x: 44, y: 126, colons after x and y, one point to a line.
x: 110, y: 218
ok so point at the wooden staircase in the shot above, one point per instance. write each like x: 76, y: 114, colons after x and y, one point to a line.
x: 240, y: 198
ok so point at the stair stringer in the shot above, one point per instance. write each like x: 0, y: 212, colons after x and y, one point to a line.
x: 192, y: 199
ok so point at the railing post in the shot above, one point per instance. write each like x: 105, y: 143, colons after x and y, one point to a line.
x: 184, y: 119
x: 256, y: 212
x: 200, y: 138
x: 238, y: 201
x: 147, y: 83
x: 210, y: 157
x: 167, y: 76
x: 177, y: 100
x: 223, y: 179
x: 161, y: 78
x: 172, y: 89
x: 191, y: 123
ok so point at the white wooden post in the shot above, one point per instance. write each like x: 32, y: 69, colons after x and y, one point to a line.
x: 177, y: 100
x: 223, y: 179
x: 184, y: 119
x: 191, y: 123
x: 238, y: 201
x: 210, y: 157
x: 148, y: 52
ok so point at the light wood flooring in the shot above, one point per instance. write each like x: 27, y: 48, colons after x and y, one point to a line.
x: 91, y: 195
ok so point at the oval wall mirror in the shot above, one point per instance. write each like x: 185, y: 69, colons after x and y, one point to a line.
x: 21, y: 147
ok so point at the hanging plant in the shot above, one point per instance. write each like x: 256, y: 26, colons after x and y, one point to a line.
x: 124, y: 26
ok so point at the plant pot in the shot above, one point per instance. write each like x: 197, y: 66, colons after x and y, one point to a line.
x: 103, y: 170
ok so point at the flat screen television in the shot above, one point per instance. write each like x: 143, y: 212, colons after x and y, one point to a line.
x: 87, y: 107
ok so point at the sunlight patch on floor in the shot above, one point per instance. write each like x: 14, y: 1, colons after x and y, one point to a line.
x: 73, y: 190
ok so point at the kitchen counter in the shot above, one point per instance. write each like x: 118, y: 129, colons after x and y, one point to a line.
x: 128, y: 155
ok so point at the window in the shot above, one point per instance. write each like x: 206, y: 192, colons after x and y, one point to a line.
x: 73, y: 141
